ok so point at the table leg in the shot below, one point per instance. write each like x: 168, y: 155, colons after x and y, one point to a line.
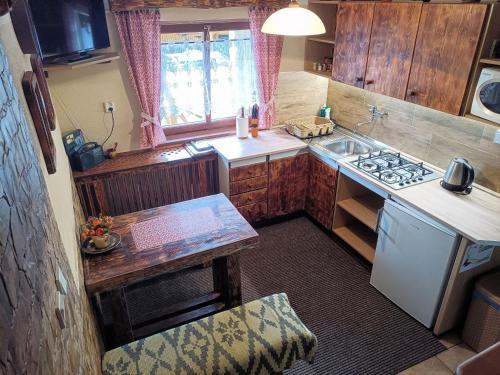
x: 120, y: 331
x: 227, y: 280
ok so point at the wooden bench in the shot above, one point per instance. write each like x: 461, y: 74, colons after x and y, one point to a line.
x: 261, y: 337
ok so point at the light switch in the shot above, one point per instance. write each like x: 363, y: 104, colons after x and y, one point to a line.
x: 61, y: 283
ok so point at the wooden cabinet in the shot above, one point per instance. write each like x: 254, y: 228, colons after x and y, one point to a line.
x: 288, y: 178
x: 352, y: 39
x: 447, y: 40
x: 248, y: 189
x: 393, y: 36
x: 320, y: 197
x: 145, y: 180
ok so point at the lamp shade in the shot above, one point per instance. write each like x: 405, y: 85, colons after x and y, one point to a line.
x: 293, y: 21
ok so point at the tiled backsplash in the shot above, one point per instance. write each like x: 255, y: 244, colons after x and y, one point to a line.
x: 299, y: 94
x: 430, y: 135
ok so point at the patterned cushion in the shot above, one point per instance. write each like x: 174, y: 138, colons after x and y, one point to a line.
x: 260, y: 337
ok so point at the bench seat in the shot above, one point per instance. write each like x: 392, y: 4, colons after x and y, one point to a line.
x: 261, y: 337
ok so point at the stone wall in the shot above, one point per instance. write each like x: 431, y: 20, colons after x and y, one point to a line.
x: 31, y: 252
x: 433, y: 136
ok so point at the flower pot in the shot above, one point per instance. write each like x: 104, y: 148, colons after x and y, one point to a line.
x: 101, y: 242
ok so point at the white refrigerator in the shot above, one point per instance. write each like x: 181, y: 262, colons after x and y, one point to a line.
x: 412, y: 261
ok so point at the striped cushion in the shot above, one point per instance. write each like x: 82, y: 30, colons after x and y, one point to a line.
x: 260, y: 337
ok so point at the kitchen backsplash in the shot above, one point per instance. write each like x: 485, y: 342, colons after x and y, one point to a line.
x: 299, y: 94
x: 430, y: 135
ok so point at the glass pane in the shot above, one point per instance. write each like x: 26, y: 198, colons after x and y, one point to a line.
x: 490, y: 96
x: 183, y: 89
x: 232, y: 72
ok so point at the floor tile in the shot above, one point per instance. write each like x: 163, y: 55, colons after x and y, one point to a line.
x: 432, y: 366
x: 450, y: 339
x: 456, y: 355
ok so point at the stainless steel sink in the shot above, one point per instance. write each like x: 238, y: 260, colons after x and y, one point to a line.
x: 347, y: 146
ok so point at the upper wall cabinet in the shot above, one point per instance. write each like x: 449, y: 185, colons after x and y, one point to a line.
x: 352, y: 40
x: 393, y: 36
x: 446, y: 44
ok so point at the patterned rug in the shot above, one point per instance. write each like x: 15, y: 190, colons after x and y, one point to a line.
x: 358, y: 329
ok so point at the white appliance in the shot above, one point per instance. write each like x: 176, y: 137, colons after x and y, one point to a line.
x: 412, y: 261
x: 486, y: 102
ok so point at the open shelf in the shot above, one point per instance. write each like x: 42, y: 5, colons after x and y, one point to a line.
x: 490, y: 61
x: 98, y: 59
x: 326, y: 73
x: 360, y: 238
x: 364, y: 208
x: 322, y: 39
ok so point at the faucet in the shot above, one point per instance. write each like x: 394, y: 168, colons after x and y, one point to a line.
x: 375, y: 114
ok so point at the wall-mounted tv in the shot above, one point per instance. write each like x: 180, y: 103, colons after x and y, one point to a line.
x: 68, y: 29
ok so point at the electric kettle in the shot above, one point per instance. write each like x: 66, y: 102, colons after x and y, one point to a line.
x: 459, y: 176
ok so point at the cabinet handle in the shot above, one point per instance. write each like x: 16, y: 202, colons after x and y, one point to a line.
x: 412, y: 93
x: 370, y: 81
x: 359, y: 79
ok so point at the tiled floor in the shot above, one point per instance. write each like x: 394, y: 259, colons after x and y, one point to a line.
x: 444, y: 363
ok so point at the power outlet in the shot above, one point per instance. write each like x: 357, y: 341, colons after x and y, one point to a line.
x: 109, y: 107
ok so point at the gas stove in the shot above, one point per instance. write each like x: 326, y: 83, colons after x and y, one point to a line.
x: 394, y: 170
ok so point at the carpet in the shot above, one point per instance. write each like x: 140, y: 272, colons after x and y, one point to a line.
x: 358, y: 329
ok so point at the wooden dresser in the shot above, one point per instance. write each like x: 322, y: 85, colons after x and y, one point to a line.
x: 142, y: 180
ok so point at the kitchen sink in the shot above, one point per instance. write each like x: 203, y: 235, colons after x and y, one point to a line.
x: 347, y: 147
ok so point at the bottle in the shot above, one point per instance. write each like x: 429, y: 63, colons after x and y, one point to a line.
x: 254, y: 117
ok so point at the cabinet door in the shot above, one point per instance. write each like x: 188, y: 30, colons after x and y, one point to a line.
x: 447, y: 39
x: 393, y: 36
x: 288, y: 179
x: 320, y: 198
x: 352, y: 38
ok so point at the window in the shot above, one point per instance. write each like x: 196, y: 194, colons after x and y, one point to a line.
x: 207, y: 73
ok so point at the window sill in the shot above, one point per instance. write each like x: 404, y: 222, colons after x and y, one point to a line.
x: 187, y: 137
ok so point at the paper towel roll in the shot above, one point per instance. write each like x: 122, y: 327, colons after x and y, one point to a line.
x: 242, y: 127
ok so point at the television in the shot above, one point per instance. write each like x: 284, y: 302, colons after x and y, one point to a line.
x: 68, y: 29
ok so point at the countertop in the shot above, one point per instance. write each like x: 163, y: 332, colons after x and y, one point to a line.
x: 268, y: 142
x: 475, y: 216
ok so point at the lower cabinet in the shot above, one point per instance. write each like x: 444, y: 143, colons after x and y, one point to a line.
x: 288, y: 180
x: 320, y: 197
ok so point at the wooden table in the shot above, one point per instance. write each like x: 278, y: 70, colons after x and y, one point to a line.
x: 164, y: 240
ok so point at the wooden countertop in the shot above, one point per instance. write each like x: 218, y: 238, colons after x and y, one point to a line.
x: 267, y: 143
x: 140, y: 159
x: 475, y: 216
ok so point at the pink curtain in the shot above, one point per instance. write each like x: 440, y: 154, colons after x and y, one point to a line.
x: 140, y: 36
x: 267, y: 50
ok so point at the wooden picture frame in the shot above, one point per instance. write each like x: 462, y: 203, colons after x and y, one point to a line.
x: 5, y: 6
x: 37, y: 107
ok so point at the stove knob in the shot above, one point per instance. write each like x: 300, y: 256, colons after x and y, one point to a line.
x: 408, y: 182
x: 414, y: 180
x: 420, y: 179
x: 401, y: 184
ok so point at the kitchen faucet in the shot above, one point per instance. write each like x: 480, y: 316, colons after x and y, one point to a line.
x: 375, y: 114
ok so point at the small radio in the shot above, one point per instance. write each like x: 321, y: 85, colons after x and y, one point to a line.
x: 82, y: 155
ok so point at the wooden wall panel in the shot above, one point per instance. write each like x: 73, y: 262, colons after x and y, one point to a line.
x: 352, y: 39
x: 393, y: 37
x: 446, y: 44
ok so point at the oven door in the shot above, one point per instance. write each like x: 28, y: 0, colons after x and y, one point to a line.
x: 487, y: 98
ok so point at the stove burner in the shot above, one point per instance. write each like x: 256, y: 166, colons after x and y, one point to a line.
x: 367, y: 166
x: 389, y: 177
x: 393, y: 169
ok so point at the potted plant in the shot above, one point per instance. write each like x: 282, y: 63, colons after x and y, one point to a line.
x: 97, y: 230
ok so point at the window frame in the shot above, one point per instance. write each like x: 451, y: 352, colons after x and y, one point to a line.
x: 204, y: 27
